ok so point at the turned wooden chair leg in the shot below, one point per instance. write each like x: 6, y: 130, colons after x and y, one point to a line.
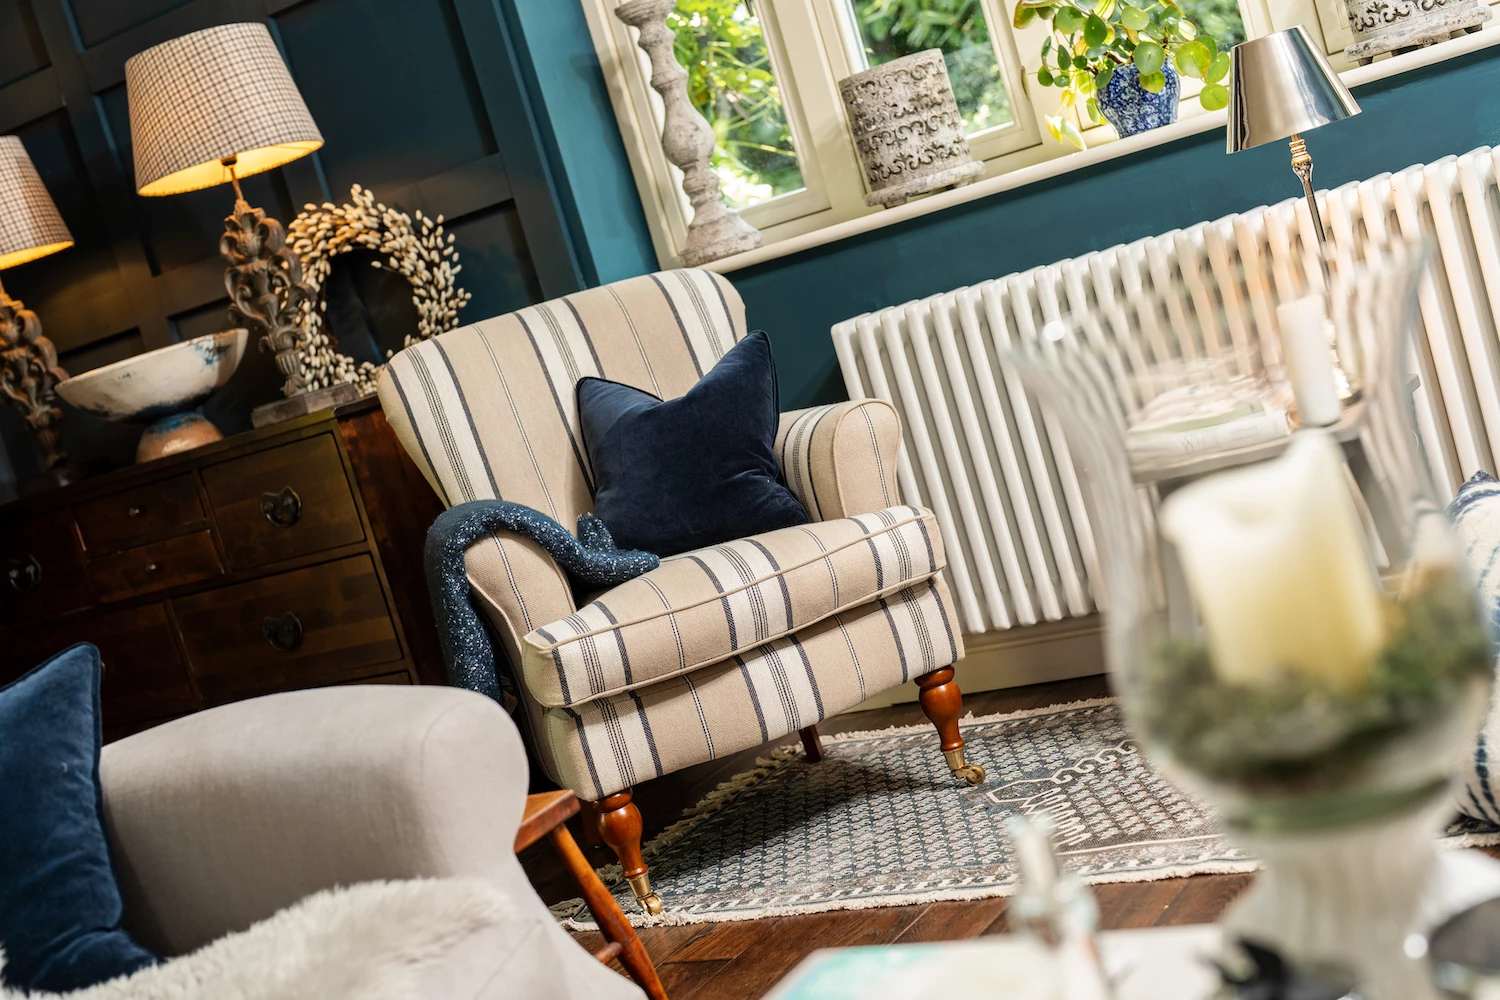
x: 941, y: 703
x: 620, y: 826
x: 623, y: 942
x: 812, y: 745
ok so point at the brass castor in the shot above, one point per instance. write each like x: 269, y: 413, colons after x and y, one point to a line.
x: 649, y: 900
x: 972, y: 773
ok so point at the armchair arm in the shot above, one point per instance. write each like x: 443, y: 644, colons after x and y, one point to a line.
x: 220, y: 819
x: 840, y: 459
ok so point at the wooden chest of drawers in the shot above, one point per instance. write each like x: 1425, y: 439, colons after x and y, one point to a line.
x: 285, y: 558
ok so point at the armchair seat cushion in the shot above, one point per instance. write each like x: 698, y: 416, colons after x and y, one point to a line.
x: 702, y: 607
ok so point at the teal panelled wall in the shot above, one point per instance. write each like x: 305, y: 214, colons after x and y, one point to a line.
x: 597, y: 191
x: 1418, y: 117
x: 432, y: 104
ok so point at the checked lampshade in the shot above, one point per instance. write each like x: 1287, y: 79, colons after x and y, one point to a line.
x: 29, y: 224
x: 209, y: 96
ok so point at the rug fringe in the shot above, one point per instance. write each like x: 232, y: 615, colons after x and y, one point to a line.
x: 912, y: 898
x: 973, y: 720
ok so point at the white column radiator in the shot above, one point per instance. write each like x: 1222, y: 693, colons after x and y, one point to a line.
x: 996, y: 469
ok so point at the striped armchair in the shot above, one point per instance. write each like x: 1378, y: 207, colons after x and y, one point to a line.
x: 719, y: 649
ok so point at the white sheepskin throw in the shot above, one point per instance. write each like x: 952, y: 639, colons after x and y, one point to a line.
x: 1476, y: 520
x: 369, y: 941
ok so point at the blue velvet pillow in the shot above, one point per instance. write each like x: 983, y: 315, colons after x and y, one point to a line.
x: 60, y: 907
x: 693, y: 471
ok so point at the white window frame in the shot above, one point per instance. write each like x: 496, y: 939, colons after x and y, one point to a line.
x: 812, y: 46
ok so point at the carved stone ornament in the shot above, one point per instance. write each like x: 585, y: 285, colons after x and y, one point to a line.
x: 421, y: 253
x: 1397, y: 25
x: 907, y: 128
x: 266, y: 290
x: 688, y: 140
x: 29, y: 374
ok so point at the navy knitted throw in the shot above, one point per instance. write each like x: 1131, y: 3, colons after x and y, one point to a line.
x: 590, y: 560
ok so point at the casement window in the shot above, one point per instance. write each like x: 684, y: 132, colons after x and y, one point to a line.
x: 765, y: 73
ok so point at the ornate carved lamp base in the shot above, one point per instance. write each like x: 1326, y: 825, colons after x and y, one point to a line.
x: 267, y: 294
x: 29, y: 374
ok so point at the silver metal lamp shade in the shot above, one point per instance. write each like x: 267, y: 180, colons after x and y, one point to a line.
x: 1282, y: 85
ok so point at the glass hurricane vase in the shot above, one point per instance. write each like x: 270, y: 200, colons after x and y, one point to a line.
x: 1289, y: 622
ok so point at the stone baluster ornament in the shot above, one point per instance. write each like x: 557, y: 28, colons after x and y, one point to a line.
x: 688, y: 141
x: 1381, y: 26
x: 907, y: 128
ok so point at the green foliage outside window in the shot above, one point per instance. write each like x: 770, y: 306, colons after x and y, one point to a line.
x: 891, y: 29
x: 730, y: 80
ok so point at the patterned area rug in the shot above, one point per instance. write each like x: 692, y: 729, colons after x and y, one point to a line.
x: 881, y: 823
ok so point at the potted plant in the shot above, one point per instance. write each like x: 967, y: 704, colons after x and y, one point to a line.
x: 1119, y: 62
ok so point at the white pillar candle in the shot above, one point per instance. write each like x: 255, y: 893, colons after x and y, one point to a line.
x: 1309, y: 359
x: 1276, y: 563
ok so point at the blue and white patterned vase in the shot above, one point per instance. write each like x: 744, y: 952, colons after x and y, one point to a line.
x: 1131, y: 108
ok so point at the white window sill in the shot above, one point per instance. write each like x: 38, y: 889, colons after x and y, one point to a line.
x: 1103, y: 150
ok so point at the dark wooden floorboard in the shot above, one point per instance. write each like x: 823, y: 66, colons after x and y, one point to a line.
x: 743, y: 960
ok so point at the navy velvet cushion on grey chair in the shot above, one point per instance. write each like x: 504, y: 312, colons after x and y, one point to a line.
x: 694, y: 471
x: 60, y: 907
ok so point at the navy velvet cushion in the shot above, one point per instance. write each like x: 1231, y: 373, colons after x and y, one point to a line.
x: 60, y: 907
x: 692, y: 471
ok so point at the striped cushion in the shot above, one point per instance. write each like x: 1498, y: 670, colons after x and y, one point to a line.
x: 704, y: 606
x: 840, y: 459
x: 768, y: 692
x: 1476, y: 519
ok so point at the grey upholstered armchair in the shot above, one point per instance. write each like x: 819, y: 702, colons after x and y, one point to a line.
x: 717, y: 650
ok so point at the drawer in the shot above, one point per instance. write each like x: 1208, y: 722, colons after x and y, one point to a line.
x: 311, y: 626
x: 284, y: 502
x: 144, y: 674
x: 41, y: 569
x: 149, y: 568
x: 146, y: 513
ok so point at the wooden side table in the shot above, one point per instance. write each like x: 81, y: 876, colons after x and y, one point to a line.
x: 546, y: 813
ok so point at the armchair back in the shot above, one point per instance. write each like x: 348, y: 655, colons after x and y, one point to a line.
x: 488, y: 412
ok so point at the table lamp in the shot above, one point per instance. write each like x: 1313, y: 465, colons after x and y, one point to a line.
x: 1282, y: 87
x: 29, y: 228
x: 210, y: 108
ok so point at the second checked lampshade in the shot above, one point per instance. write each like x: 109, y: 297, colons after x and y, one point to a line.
x: 221, y: 92
x: 29, y: 224
x: 1283, y: 86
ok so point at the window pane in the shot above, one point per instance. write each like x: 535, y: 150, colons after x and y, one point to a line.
x: 731, y: 83
x: 1218, y: 18
x: 890, y: 29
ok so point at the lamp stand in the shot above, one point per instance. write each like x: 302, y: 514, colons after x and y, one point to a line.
x: 1302, y: 166
x: 266, y: 293
x: 29, y: 374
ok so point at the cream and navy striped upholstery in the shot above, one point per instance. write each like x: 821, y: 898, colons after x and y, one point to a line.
x: 705, y: 606
x: 717, y: 650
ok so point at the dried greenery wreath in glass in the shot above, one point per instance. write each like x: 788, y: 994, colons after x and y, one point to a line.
x: 420, y: 253
x: 1091, y: 40
x: 1309, y: 659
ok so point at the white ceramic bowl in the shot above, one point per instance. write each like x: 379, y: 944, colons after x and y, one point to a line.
x: 158, y: 383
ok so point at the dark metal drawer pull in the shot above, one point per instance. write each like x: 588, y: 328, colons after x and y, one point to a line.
x: 284, y: 633
x: 24, y: 574
x: 281, y: 509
